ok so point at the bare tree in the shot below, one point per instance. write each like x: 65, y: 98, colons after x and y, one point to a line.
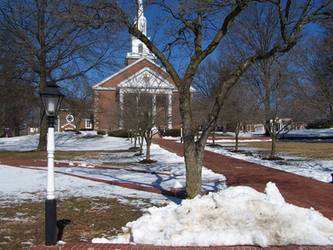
x: 315, y: 84
x: 207, y: 81
x: 198, y: 27
x: 144, y: 110
x: 79, y: 100
x: 18, y: 102
x: 271, y: 83
x: 270, y: 80
x: 240, y: 106
x: 52, y: 48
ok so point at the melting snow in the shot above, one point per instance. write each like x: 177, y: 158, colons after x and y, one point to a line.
x: 236, y: 216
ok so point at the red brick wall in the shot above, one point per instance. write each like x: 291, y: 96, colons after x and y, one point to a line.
x: 106, y: 110
x: 64, y: 125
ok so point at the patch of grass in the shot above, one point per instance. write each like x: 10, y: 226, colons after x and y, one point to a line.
x: 59, y: 155
x: 310, y: 150
x: 22, y: 225
x: 23, y: 155
x: 119, y: 163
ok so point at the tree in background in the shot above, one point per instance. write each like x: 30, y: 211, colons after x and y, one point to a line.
x: 50, y: 46
x: 240, y: 106
x: 18, y: 100
x: 143, y: 110
x: 79, y: 100
x: 270, y: 81
x: 315, y: 82
x: 206, y: 82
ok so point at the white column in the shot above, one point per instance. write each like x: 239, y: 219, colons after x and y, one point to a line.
x: 50, y: 164
x: 121, y: 102
x: 154, y: 110
x: 169, y: 112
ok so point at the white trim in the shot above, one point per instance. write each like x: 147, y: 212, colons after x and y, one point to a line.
x: 86, y: 123
x: 96, y: 86
x: 68, y: 124
x: 106, y: 88
x: 132, y: 82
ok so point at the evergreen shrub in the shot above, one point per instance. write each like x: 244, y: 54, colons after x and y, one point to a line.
x: 118, y: 133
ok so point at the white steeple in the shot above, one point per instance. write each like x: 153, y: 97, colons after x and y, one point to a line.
x: 139, y: 49
x: 141, y: 20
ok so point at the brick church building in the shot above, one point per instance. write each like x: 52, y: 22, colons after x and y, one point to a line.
x: 141, y: 75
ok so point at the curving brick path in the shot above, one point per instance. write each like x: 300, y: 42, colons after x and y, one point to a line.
x: 298, y: 190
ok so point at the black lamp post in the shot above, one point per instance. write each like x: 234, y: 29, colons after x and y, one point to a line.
x: 51, y: 98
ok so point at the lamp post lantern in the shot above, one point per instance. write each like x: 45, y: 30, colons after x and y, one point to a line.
x: 51, y: 98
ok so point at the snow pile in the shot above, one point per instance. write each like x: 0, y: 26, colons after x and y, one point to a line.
x: 235, y: 216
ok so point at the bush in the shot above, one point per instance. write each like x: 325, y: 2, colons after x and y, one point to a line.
x: 171, y: 132
x: 101, y: 132
x: 118, y: 133
x: 324, y: 123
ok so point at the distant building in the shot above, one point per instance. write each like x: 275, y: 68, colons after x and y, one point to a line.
x: 68, y: 121
x: 259, y: 127
x: 141, y: 74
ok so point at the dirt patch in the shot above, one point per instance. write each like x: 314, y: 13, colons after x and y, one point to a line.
x: 22, y: 225
x: 147, y: 161
x: 273, y: 158
x: 214, y: 145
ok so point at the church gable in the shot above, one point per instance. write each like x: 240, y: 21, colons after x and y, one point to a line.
x: 133, y: 70
x: 146, y: 80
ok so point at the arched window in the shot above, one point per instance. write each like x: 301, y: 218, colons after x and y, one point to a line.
x: 140, y: 48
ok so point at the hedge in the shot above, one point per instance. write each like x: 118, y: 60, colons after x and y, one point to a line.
x: 118, y: 133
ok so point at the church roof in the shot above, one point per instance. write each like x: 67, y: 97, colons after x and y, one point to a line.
x: 144, y: 69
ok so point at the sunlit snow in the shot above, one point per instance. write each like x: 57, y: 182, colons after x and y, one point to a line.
x: 235, y: 216
x: 232, y: 216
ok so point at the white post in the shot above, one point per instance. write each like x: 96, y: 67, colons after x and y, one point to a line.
x: 50, y: 164
x: 50, y: 202
x: 169, y: 112
x: 121, y: 102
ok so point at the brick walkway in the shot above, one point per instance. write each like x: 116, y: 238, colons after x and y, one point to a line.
x: 300, y: 191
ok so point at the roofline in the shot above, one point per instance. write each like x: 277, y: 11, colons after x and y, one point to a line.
x: 127, y: 67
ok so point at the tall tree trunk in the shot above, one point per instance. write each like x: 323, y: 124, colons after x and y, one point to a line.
x: 273, y: 135
x: 43, y: 131
x: 141, y: 144
x: 148, y: 138
x: 135, y: 139
x: 42, y: 74
x: 237, y: 135
x: 193, y: 153
x: 193, y: 162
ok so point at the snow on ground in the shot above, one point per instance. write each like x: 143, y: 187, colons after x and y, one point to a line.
x: 170, y: 165
x: 311, y: 133
x: 232, y: 216
x: 67, y: 141
x: 235, y: 216
x: 317, y: 169
x: 20, y: 185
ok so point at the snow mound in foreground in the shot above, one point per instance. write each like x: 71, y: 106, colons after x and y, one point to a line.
x: 235, y: 216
